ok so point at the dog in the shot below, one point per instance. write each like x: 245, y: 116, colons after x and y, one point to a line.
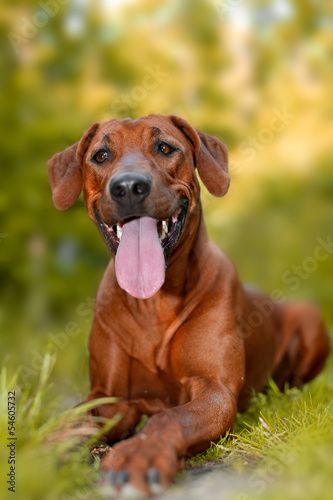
x: 171, y: 335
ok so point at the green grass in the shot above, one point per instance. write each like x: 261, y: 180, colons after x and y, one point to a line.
x: 283, y: 444
x: 46, y: 468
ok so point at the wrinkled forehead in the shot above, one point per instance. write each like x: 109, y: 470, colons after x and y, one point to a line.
x: 128, y: 134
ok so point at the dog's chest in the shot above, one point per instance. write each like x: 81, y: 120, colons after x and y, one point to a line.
x: 135, y: 358
x: 148, y: 385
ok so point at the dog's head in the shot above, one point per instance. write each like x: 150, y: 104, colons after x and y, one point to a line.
x: 140, y: 189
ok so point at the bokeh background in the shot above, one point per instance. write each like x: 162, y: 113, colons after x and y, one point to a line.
x: 255, y: 73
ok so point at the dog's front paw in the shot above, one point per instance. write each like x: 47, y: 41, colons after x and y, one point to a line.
x: 139, y: 467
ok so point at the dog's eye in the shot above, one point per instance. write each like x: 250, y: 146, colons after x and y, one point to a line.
x: 165, y: 148
x: 101, y: 156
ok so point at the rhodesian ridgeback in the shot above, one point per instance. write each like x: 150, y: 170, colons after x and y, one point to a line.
x: 175, y: 336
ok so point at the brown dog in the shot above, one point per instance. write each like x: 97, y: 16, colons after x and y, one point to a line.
x: 175, y: 334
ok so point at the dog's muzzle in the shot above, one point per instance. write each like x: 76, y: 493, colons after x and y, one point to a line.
x: 130, y: 188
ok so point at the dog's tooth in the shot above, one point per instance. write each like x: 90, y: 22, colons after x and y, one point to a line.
x: 165, y: 226
x: 119, y: 231
x: 163, y: 234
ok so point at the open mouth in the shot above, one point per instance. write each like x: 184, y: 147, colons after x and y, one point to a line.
x: 169, y: 230
x: 142, y: 246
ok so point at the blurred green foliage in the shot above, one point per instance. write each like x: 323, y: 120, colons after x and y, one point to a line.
x: 227, y: 67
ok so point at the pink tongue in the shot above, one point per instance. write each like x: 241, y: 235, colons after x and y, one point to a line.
x: 140, y: 265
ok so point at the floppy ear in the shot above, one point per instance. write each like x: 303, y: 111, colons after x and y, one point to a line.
x: 65, y: 177
x: 65, y: 171
x: 211, y: 156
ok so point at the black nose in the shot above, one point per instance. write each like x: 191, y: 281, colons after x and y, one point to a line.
x: 130, y: 188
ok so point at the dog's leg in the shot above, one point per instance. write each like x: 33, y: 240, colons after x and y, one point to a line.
x: 124, y: 413
x: 110, y: 377
x: 127, y: 415
x: 303, y: 347
x: 210, y: 379
x: 152, y: 458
